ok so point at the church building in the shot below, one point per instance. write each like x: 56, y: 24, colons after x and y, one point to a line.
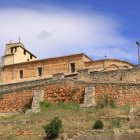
x: 19, y: 64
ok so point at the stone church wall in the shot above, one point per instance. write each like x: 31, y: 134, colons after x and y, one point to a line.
x: 49, y: 67
x: 117, y: 76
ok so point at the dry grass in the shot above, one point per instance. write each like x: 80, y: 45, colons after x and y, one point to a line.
x: 75, y: 121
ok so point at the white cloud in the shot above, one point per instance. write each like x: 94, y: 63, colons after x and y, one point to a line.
x: 55, y: 32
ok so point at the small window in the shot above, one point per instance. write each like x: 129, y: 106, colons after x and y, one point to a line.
x: 11, y: 50
x: 21, y: 74
x: 72, y: 67
x: 40, y: 71
x: 24, y: 52
x: 15, y: 49
x: 31, y: 56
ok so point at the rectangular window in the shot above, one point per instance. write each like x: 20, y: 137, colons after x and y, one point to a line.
x: 21, y: 74
x: 24, y: 52
x: 40, y: 71
x: 72, y: 67
x: 31, y: 56
x: 11, y: 50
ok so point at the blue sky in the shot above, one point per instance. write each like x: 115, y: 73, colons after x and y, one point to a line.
x: 50, y: 28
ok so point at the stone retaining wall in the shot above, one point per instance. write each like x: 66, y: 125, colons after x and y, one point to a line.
x: 121, y: 93
x: 67, y: 92
x: 15, y: 101
x: 14, y: 97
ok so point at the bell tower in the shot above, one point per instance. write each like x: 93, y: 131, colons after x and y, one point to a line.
x: 16, y: 53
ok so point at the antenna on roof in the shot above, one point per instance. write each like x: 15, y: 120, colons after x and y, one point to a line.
x: 19, y: 39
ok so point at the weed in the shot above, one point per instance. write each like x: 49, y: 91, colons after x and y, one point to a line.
x: 44, y: 104
x: 126, y: 109
x: 11, y: 137
x: 116, y: 123
x: 106, y: 101
x: 61, y: 104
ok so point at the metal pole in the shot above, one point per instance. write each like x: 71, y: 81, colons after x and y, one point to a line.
x: 138, y: 43
x: 138, y: 54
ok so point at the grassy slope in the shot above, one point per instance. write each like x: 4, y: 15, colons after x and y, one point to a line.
x: 76, y: 121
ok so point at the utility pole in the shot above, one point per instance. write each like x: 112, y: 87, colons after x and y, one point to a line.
x: 105, y: 56
x: 138, y: 43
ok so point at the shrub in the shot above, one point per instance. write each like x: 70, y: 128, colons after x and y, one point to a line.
x: 106, y: 101
x: 98, y: 124
x: 52, y: 129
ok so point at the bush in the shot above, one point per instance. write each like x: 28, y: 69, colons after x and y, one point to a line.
x: 98, y: 124
x: 106, y: 101
x: 52, y: 129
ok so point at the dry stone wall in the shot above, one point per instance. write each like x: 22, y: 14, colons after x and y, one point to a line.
x: 121, y: 93
x: 66, y: 91
x: 15, y: 101
x: 14, y: 97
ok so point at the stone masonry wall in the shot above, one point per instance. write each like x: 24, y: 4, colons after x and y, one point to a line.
x: 117, y: 76
x: 15, y: 101
x: 121, y: 93
x: 50, y: 66
x: 14, y: 97
x: 67, y: 92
